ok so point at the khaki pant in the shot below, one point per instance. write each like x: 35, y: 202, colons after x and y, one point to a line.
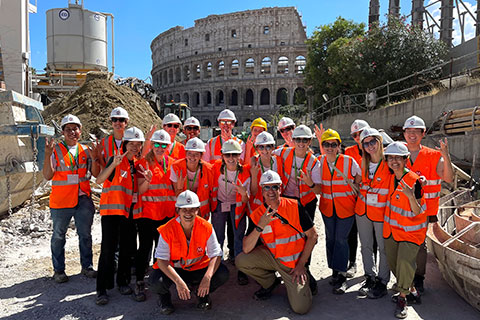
x: 401, y: 257
x: 261, y: 266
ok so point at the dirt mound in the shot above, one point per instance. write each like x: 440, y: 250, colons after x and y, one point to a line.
x: 94, y: 101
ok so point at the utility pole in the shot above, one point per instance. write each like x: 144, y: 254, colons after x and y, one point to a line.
x: 373, y: 12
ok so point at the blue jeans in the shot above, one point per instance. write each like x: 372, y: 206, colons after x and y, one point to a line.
x: 219, y: 220
x: 336, y: 234
x: 83, y: 215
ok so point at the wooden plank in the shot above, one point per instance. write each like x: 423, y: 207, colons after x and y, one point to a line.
x: 463, y: 114
x: 461, y: 124
x: 459, y: 130
x: 469, y: 118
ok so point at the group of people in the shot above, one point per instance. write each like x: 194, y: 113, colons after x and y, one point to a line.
x: 187, y: 198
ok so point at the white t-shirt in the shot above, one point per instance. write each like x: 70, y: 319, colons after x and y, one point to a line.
x: 292, y: 187
x: 190, y: 177
x: 372, y: 167
x: 228, y: 195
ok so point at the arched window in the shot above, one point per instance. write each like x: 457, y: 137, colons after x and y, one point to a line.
x: 235, y: 67
x: 249, y: 97
x: 265, y: 97
x: 178, y: 74
x: 282, y: 97
x: 177, y: 97
x: 221, y: 69
x: 249, y: 66
x: 196, y: 99
x: 165, y: 78
x: 234, y: 98
x: 170, y: 98
x: 300, y: 63
x: 220, y: 99
x: 198, y: 70
x: 206, y: 123
x: 186, y: 73
x: 170, y: 76
x: 208, y: 70
x: 208, y: 98
x: 185, y: 98
x: 299, y: 96
x: 282, y: 67
x: 266, y: 65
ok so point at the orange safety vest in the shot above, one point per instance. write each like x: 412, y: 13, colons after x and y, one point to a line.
x: 215, y: 147
x: 205, y: 184
x: 117, y: 195
x: 283, y: 241
x: 64, y: 193
x: 400, y: 221
x: 177, y: 151
x: 110, y: 147
x: 188, y: 256
x: 287, y: 155
x: 240, y: 207
x: 426, y: 165
x: 158, y: 202
x: 374, y: 190
x: 335, y: 191
x: 256, y: 200
x: 354, y: 152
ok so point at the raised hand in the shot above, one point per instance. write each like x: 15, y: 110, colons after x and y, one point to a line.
x: 146, y: 173
x: 319, y: 132
x: 181, y: 181
x: 49, y: 145
x: 255, y: 169
x: 306, y: 177
x: 407, y: 190
x: 443, y: 148
x: 153, y: 128
x: 241, y: 189
x: 118, y: 158
x: 267, y: 217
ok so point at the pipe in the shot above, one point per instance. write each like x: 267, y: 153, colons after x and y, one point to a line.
x: 113, y: 42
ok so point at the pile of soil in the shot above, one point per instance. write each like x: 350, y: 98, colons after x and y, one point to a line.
x: 94, y: 101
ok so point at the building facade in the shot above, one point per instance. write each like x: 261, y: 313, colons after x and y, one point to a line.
x: 250, y: 61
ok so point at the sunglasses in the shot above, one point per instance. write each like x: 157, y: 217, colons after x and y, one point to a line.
x: 160, y: 145
x: 274, y: 188
x: 370, y: 143
x: 355, y: 135
x: 263, y: 147
x: 302, y: 140
x: 231, y: 155
x: 286, y: 129
x: 330, y: 145
x: 119, y: 120
x: 191, y: 128
x: 224, y: 122
x: 174, y: 125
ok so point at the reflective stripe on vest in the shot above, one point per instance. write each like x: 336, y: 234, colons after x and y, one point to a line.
x: 406, y: 228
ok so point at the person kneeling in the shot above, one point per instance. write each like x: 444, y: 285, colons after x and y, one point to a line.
x: 288, y: 237
x: 188, y: 253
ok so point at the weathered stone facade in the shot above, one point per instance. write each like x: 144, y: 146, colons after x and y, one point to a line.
x: 249, y: 61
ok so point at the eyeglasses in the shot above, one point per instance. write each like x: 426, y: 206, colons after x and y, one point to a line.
x: 370, y: 143
x: 330, y: 145
x: 286, y: 129
x: 119, y: 120
x: 274, y: 188
x: 394, y: 158
x: 263, y: 147
x: 355, y: 135
x: 302, y: 140
x: 225, y: 122
x: 174, y: 125
x: 160, y: 145
x: 231, y: 155
x: 189, y: 128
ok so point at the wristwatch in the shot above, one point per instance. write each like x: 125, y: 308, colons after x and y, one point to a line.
x: 258, y: 229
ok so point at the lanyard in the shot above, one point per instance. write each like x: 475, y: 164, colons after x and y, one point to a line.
x: 271, y: 164
x: 295, y: 163
x: 114, y: 145
x: 173, y: 146
x: 74, y: 160
x: 397, y: 182
x: 334, y: 164
x: 194, y: 178
x: 164, y: 164
x: 226, y: 181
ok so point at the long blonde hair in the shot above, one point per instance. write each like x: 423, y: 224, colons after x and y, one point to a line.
x: 367, y: 158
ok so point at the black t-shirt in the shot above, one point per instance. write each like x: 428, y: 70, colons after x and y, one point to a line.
x: 112, y: 175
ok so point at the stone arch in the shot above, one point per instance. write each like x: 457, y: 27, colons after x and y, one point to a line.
x: 234, y: 98
x: 208, y: 98
x: 208, y: 70
x: 206, y: 123
x: 219, y: 98
x: 265, y: 97
x: 249, y: 97
x: 196, y: 99
x: 178, y: 74
x: 197, y: 72
x: 282, y: 65
x: 300, y: 63
x: 177, y: 97
x: 186, y: 98
x: 170, y: 76
x: 186, y: 73
x: 266, y: 65
x: 221, y: 68
x: 282, y: 97
x: 299, y: 96
x: 170, y: 98
x: 235, y: 66
x: 249, y: 66
x: 165, y: 77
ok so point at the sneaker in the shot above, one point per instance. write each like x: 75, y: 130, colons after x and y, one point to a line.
x: 341, y: 285
x: 89, y: 272
x: 139, y: 292
x: 418, y: 283
x: 231, y: 258
x: 378, y: 290
x: 204, y: 303
x: 367, y: 285
x: 264, y: 294
x: 411, y: 298
x: 165, y: 303
x: 242, y: 278
x: 125, y: 290
x: 401, y: 309
x: 333, y: 279
x: 352, y: 270
x: 60, y: 277
x: 102, y: 298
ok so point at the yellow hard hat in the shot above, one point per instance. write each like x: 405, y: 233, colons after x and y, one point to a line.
x: 331, y: 134
x: 259, y: 122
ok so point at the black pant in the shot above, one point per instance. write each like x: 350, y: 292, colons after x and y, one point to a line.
x: 160, y: 283
x: 147, y: 235
x: 353, y: 243
x: 116, y: 230
x: 230, y: 238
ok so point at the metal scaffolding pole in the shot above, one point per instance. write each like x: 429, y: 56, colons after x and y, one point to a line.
x: 394, y: 9
x: 417, y: 13
x: 446, y: 22
x: 374, y: 12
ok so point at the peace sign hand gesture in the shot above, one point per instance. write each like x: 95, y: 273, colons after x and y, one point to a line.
x: 306, y: 177
x: 181, y: 181
x: 118, y: 158
x: 241, y: 189
x: 146, y: 173
x: 443, y: 148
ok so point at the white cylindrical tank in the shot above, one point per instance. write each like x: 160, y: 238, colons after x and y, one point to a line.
x: 76, y: 39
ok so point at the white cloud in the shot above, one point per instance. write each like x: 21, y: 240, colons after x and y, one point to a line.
x: 469, y: 25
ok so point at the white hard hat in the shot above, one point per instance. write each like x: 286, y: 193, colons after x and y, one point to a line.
x: 227, y: 114
x: 414, y: 122
x: 302, y: 131
x: 171, y: 118
x: 370, y: 132
x: 195, y: 144
x: 358, y: 125
x: 264, y: 138
x: 187, y: 199
x: 133, y: 134
x: 270, y: 177
x: 70, y: 118
x: 192, y: 121
x: 119, y: 112
x: 231, y: 146
x: 285, y: 122
x: 396, y: 149
x: 161, y: 136
x: 386, y: 138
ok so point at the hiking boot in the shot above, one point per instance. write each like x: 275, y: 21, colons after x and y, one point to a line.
x: 351, y: 270
x: 378, y: 290
x: 411, y: 298
x: 125, y: 290
x: 102, y: 298
x: 418, y: 283
x: 401, y: 309
x: 367, y: 285
x: 242, y: 278
x: 89, y: 272
x: 264, y: 294
x: 341, y: 285
x: 139, y: 292
x: 165, y: 303
x: 60, y: 277
x: 204, y: 303
x: 333, y: 279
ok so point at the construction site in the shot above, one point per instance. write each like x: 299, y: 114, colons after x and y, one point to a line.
x: 78, y: 79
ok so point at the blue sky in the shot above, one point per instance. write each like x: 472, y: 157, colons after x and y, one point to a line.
x: 138, y: 22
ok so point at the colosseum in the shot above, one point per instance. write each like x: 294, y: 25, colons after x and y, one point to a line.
x: 249, y: 61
